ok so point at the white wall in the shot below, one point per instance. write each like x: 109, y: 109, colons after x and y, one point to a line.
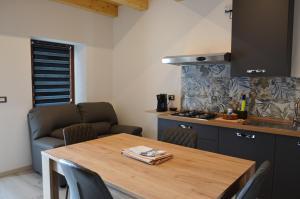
x: 15, y: 83
x: 141, y: 39
x: 19, y: 21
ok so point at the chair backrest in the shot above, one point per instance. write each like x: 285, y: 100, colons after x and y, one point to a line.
x: 253, y: 187
x: 78, y: 133
x: 83, y: 183
x: 181, y: 136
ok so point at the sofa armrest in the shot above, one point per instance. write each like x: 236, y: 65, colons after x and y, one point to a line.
x: 48, y: 143
x: 42, y: 144
x: 133, y: 130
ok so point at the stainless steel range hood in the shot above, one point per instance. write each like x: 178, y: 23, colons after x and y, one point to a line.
x: 197, y: 59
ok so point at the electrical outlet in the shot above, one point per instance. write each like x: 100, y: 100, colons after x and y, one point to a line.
x: 171, y: 97
x: 3, y: 99
x: 228, y: 7
x: 228, y: 10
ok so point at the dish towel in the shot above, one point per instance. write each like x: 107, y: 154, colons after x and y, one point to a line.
x: 147, y: 155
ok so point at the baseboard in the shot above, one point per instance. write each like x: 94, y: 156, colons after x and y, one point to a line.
x: 16, y: 171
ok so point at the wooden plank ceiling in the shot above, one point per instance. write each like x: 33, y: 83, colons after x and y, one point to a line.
x: 107, y: 7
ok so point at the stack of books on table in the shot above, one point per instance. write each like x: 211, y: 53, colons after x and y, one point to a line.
x: 147, y: 155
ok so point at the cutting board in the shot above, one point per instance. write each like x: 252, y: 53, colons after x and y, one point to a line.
x: 231, y: 121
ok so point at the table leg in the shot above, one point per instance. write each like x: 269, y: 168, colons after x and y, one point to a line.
x: 50, y: 178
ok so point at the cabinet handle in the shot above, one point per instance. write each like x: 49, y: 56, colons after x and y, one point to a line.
x: 243, y: 135
x: 185, y: 126
x: 256, y: 71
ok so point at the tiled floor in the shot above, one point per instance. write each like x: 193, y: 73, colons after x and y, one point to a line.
x: 23, y: 186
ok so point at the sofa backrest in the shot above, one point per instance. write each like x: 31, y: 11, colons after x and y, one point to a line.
x: 93, y: 112
x: 43, y: 120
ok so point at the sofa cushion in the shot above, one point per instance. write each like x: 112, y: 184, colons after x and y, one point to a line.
x: 101, y: 128
x: 97, y: 112
x: 134, y: 130
x: 44, y: 120
x: 58, y: 133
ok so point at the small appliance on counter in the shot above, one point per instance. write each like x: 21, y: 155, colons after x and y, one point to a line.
x: 162, y: 102
x: 171, y: 103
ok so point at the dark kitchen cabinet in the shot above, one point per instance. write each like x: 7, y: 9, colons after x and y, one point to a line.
x: 287, y: 168
x: 164, y: 124
x: 207, y: 135
x: 208, y: 138
x: 282, y: 151
x: 262, y: 37
x: 252, y: 146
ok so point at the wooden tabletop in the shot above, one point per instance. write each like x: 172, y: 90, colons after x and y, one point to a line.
x: 190, y: 174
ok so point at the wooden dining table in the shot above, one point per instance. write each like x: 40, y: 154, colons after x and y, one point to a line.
x: 190, y: 174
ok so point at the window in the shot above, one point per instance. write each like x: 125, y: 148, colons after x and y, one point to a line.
x: 52, y: 73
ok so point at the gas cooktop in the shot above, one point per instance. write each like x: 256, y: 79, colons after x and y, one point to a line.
x: 196, y: 114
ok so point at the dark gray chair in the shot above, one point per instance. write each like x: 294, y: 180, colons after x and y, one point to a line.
x: 78, y: 133
x: 180, y: 136
x: 83, y: 183
x: 253, y: 187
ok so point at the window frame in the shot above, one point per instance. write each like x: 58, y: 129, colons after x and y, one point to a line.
x: 54, y: 45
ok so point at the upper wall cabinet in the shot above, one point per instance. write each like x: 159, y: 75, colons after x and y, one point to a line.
x: 262, y: 32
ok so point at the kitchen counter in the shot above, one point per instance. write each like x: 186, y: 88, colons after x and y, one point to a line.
x: 257, y: 139
x: 252, y: 124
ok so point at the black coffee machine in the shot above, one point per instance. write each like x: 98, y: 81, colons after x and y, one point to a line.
x: 162, y: 102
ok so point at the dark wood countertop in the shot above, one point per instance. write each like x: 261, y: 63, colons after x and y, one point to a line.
x: 272, y: 130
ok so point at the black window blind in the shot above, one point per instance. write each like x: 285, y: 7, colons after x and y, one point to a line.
x: 52, y: 73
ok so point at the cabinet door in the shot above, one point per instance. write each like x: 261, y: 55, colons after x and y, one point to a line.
x: 163, y: 125
x: 262, y: 37
x: 208, y: 138
x: 249, y: 145
x: 287, y: 168
x: 207, y: 135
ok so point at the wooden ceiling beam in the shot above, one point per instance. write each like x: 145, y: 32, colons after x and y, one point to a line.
x: 98, y: 6
x: 136, y: 4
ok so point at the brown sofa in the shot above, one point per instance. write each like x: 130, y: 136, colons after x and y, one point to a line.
x: 46, y: 125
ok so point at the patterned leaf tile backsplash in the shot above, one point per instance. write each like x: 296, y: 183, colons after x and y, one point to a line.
x: 210, y: 88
